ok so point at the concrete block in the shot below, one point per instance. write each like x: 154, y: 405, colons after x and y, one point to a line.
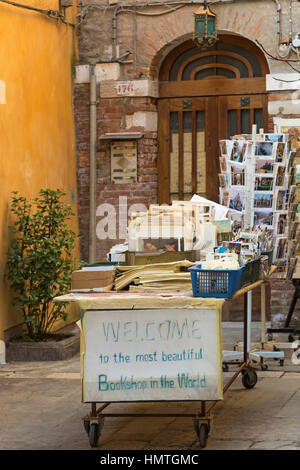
x: 135, y: 88
x: 273, y: 82
x: 145, y: 119
x: 103, y: 72
x: 286, y: 107
x: 82, y: 73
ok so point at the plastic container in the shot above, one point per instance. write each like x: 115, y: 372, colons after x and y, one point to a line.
x: 219, y: 283
x: 251, y: 272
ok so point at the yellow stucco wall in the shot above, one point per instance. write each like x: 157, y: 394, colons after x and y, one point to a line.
x: 37, y: 144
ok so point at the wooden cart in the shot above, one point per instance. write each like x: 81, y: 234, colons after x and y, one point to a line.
x: 99, y: 311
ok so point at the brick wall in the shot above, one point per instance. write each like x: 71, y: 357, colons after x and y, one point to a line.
x: 110, y: 118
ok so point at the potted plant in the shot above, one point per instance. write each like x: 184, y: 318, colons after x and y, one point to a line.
x: 40, y: 262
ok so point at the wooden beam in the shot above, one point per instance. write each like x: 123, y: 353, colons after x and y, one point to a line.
x: 212, y: 87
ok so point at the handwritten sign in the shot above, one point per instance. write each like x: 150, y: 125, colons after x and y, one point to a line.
x: 149, y: 355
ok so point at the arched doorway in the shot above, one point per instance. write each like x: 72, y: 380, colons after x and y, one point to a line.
x: 206, y: 96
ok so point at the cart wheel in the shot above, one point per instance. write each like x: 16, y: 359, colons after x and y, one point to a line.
x: 86, y: 424
x: 203, y: 435
x: 94, y: 434
x: 249, y: 378
x: 196, y: 426
x: 208, y: 427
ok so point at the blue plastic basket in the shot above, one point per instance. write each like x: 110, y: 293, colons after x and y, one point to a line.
x: 221, y: 283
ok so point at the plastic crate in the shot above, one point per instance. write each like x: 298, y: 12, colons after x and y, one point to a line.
x: 251, y: 272
x: 219, y: 283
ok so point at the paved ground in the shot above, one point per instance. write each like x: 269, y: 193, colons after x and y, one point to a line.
x: 41, y: 409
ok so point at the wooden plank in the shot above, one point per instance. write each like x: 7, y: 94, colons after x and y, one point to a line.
x: 177, y: 104
x: 246, y: 289
x: 212, y: 150
x: 256, y: 101
x: 222, y: 117
x: 238, y: 121
x: 163, y: 160
x: 251, y: 118
x: 213, y: 87
x: 266, y: 114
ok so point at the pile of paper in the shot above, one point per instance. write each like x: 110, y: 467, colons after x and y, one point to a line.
x: 163, y: 276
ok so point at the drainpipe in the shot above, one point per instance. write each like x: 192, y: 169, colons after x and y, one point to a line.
x: 279, y: 33
x: 93, y: 136
x: 93, y: 145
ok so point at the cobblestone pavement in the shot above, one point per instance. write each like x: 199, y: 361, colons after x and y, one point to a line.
x: 41, y: 409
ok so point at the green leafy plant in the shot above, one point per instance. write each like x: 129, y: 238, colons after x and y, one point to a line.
x: 40, y: 258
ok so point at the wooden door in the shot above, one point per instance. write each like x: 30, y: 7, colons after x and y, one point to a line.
x: 185, y: 140
x: 189, y: 134
x: 238, y: 113
x: 204, y: 97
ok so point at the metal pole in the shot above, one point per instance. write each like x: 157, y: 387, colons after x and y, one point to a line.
x: 263, y: 313
x: 245, y: 328
x: 93, y: 137
x: 249, y: 319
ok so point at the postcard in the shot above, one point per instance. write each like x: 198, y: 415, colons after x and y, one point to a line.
x: 263, y: 218
x: 292, y: 248
x: 281, y: 224
x: 264, y: 149
x: 237, y: 199
x: 291, y: 160
x: 280, y: 152
x: 223, y: 180
x: 264, y: 166
x: 263, y: 183
x: 237, y: 175
x: 281, y: 266
x: 280, y: 248
x: 281, y: 196
x: 263, y: 200
x: 237, y: 219
x: 223, y: 164
x: 223, y: 147
x: 238, y: 151
x: 274, y: 137
x: 293, y: 230
x: 280, y: 175
x: 224, y: 197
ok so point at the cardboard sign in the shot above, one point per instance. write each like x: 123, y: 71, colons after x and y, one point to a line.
x: 152, y: 355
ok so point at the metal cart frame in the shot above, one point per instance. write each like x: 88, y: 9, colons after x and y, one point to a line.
x: 94, y: 421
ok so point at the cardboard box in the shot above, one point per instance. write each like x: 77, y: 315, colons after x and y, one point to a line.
x: 100, y: 278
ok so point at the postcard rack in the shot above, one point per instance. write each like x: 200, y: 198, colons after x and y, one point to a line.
x: 257, y: 184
